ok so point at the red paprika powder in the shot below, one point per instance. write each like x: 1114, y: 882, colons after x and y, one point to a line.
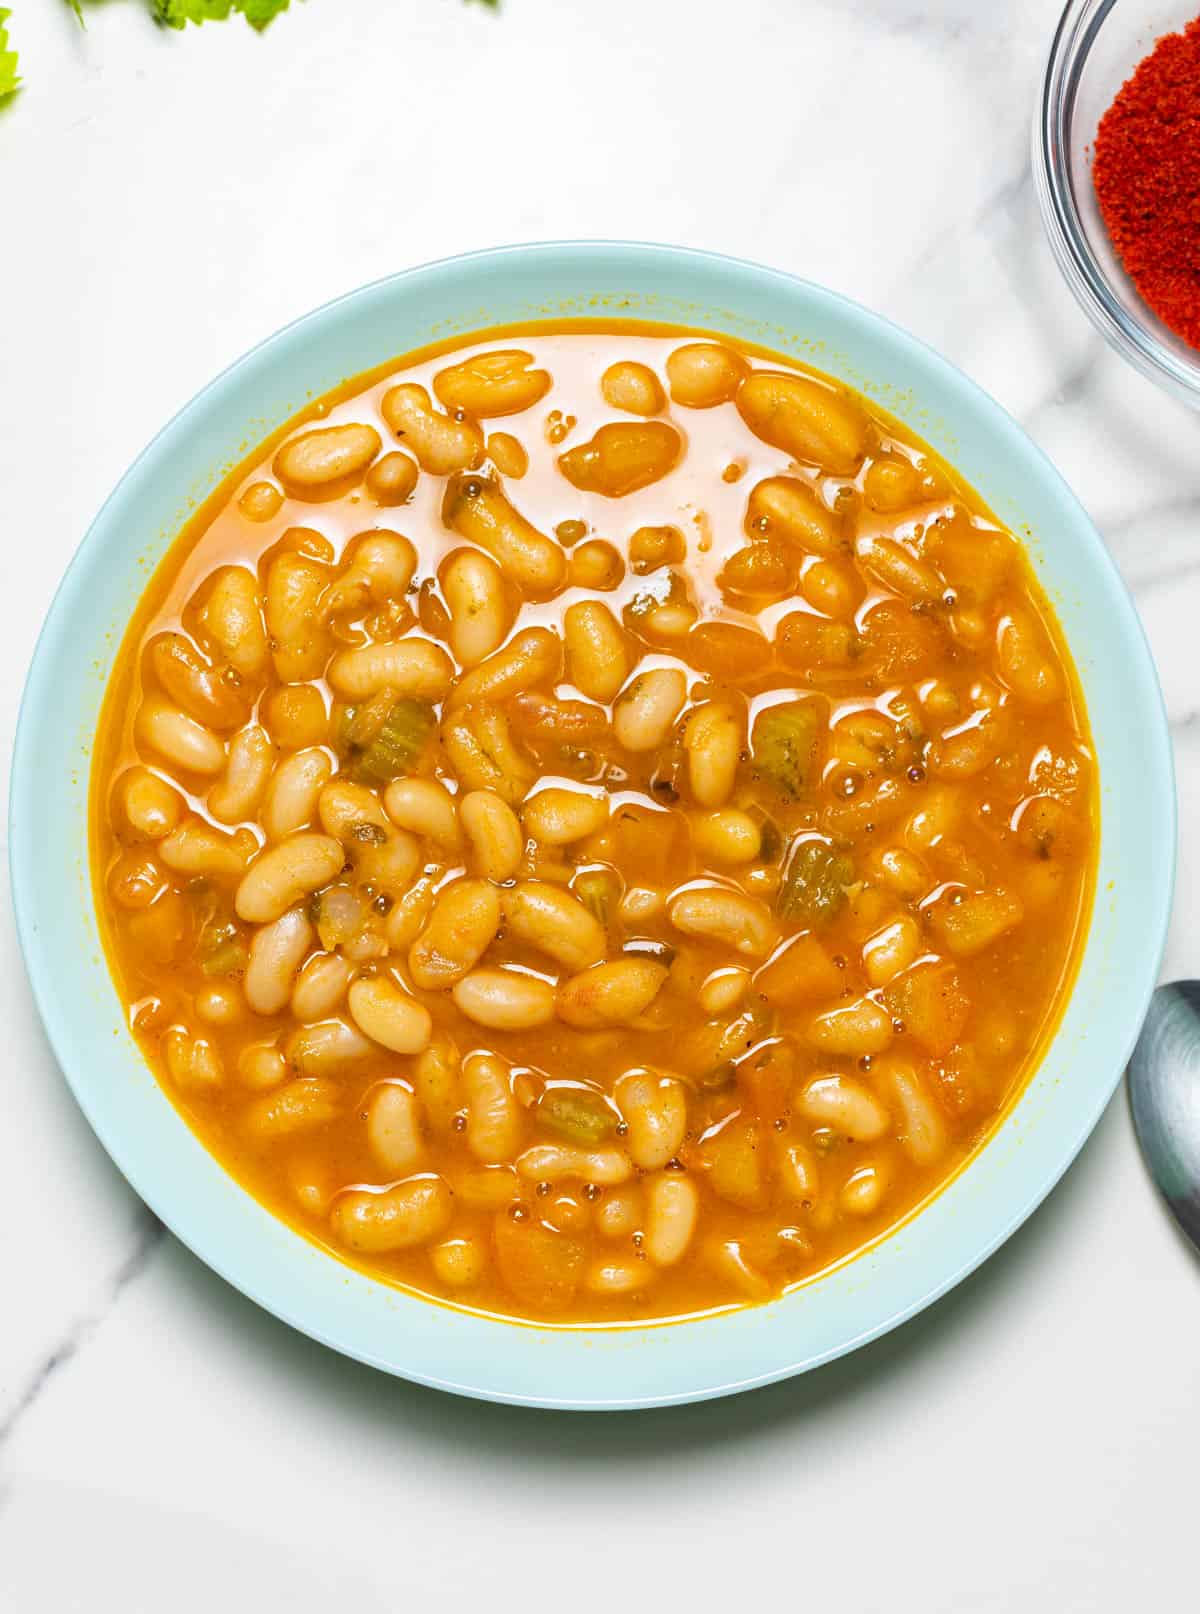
x: 1146, y: 170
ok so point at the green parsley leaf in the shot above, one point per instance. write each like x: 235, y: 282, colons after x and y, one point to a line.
x: 178, y: 13
x: 258, y: 13
x: 77, y: 8
x: 9, y: 77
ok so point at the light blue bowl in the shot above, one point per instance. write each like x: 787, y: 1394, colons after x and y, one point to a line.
x: 581, y: 1368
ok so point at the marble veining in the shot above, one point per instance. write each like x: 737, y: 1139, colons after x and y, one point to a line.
x: 147, y: 1237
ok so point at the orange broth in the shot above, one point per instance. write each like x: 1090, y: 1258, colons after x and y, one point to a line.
x: 797, y: 911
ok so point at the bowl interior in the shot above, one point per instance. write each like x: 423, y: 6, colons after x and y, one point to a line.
x: 1102, y: 43
x: 579, y: 1367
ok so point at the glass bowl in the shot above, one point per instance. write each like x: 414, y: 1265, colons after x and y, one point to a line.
x: 1097, y: 45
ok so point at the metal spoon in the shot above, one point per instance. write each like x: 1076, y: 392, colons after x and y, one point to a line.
x: 1164, y: 1090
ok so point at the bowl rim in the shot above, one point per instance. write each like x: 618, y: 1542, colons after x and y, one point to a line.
x: 57, y: 1017
x: 1075, y: 33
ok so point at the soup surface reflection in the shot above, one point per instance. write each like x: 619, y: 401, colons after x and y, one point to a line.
x: 594, y: 824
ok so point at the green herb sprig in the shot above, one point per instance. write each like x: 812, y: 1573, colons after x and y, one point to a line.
x: 169, y: 14
x: 10, y: 79
x: 178, y: 13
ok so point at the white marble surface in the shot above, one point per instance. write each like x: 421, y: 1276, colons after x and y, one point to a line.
x: 164, y: 202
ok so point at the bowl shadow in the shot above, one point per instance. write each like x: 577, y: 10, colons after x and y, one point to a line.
x: 493, y: 1432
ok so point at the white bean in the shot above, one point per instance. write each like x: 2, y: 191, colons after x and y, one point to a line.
x: 704, y: 374
x: 261, y: 1065
x: 654, y: 1108
x: 551, y: 1162
x: 291, y: 797
x: 397, y: 1218
x: 672, y: 1209
x: 424, y: 807
x: 501, y: 382
x: 641, y: 903
x: 891, y: 949
x: 1021, y: 660
x: 900, y: 570
x: 235, y: 797
x: 853, y: 1029
x: 297, y: 1106
x: 196, y: 848
x: 862, y: 1192
x: 388, y: 1015
x: 232, y: 618
x: 632, y: 387
x: 394, y: 1129
x: 327, y: 455
x: 459, y: 1262
x: 612, y: 994
x: 618, y: 1275
x: 486, y: 755
x: 550, y: 919
x: 192, y: 1061
x: 713, y: 740
x: 179, y: 738
x: 493, y: 1118
x: 321, y: 986
x: 476, y: 508
x: 845, y: 1106
x: 150, y: 806
x: 414, y: 668
x: 921, y: 1129
x: 726, y: 835
x: 723, y: 990
x: 220, y: 1004
x: 461, y: 927
x: 531, y: 657
x: 284, y: 874
x: 387, y: 865
x: 557, y: 817
x: 436, y: 1076
x: 329, y: 1048
x: 299, y: 644
x: 379, y: 567
x: 796, y: 1171
x: 345, y: 808
x: 730, y: 918
x: 473, y: 587
x: 598, y: 658
x: 646, y: 711
x: 505, y: 999
x: 728, y: 1260
x: 620, y: 1212
x: 408, y: 915
x: 277, y: 951
x: 493, y: 832
x: 439, y: 442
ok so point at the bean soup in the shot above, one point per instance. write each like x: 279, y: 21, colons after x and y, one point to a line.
x: 595, y: 824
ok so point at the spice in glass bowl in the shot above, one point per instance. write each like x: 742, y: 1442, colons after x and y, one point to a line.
x: 1146, y: 170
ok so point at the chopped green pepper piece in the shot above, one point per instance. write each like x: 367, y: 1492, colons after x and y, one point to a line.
x: 577, y: 1114
x: 222, y: 949
x: 597, y: 890
x: 394, y: 744
x: 813, y: 888
x: 785, y: 744
x: 770, y: 845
